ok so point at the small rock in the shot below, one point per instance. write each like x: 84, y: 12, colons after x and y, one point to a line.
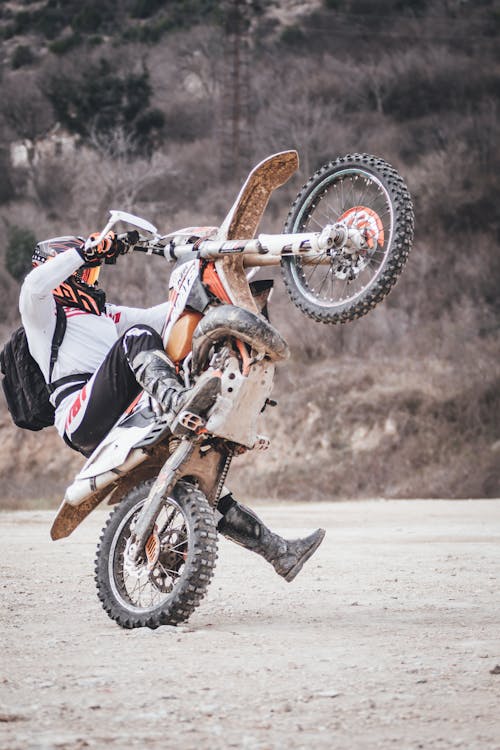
x: 327, y: 694
x: 8, y: 716
x: 91, y: 682
x: 495, y: 670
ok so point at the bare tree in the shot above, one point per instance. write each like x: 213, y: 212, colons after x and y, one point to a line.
x: 26, y: 113
x: 107, y: 176
x: 200, y: 60
x: 290, y: 116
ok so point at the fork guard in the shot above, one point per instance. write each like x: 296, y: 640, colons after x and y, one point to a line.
x: 230, y: 320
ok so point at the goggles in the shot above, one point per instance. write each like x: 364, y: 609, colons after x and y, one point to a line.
x: 89, y: 276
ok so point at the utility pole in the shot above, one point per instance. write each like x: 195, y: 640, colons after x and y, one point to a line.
x: 235, y: 95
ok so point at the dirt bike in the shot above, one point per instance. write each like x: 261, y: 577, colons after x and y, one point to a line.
x: 345, y: 241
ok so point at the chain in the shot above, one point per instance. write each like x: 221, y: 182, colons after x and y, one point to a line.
x: 223, y: 476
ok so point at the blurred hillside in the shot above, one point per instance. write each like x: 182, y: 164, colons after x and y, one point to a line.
x: 161, y: 108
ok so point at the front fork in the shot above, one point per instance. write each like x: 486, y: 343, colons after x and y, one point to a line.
x: 205, y: 462
x: 166, y: 480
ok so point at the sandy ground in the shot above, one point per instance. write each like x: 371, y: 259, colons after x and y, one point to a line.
x: 389, y: 638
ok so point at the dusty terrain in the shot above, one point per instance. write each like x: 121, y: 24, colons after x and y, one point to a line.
x: 389, y: 638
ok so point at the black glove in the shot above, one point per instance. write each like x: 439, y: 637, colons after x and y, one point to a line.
x: 122, y: 245
x: 106, y: 250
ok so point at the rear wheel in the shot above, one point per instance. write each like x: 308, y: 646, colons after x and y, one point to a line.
x: 363, y: 193
x: 167, y: 586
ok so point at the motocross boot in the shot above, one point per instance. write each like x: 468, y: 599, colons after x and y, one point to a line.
x: 241, y: 525
x: 156, y: 375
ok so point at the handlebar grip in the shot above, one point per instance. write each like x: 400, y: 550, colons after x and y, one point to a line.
x: 133, y: 242
x: 130, y: 238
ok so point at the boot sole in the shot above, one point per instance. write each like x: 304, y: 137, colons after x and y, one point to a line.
x: 198, y: 405
x: 202, y: 401
x: 293, y: 572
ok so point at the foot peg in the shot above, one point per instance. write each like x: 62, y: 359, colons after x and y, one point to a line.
x: 191, y: 421
x: 196, y: 403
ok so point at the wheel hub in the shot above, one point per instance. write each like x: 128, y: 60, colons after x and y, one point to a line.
x: 365, y: 231
x: 368, y: 224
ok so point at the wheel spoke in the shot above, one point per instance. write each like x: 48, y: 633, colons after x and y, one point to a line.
x: 315, y: 267
x: 328, y: 216
x: 172, y: 573
x: 319, y: 223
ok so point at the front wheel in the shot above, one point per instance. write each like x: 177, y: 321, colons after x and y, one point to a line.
x: 165, y: 587
x: 362, y: 193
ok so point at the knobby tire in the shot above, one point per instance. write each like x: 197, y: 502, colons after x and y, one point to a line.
x: 301, y: 212
x: 194, y: 580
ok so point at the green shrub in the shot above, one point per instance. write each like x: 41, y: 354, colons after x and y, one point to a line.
x: 145, y: 8
x: 50, y: 21
x: 22, y: 55
x: 431, y: 91
x: 8, y: 31
x: 20, y: 245
x: 65, y: 44
x: 95, y: 40
x: 90, y: 19
x: 190, y: 121
x: 23, y: 22
x: 102, y: 101
x: 148, y: 130
x: 292, y: 35
x: 7, y: 191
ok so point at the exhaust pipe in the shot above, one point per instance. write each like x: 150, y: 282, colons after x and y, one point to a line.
x: 229, y: 320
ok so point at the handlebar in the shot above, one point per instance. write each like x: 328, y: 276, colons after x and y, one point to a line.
x: 266, y: 249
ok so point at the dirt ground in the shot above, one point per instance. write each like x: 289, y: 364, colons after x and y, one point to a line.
x: 389, y: 638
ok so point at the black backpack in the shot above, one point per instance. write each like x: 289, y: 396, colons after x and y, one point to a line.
x: 24, y: 386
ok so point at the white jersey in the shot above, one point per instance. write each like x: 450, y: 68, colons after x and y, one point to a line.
x: 88, y: 338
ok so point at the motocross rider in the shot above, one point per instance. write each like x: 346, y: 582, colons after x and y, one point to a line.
x: 110, y: 353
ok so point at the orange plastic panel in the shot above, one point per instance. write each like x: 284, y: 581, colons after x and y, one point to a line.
x: 179, y: 343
